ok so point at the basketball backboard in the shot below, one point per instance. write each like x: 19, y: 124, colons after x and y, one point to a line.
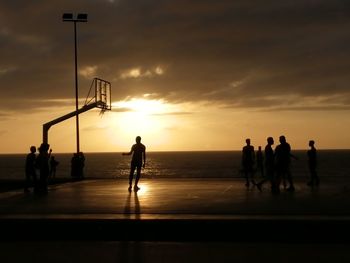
x: 102, y: 96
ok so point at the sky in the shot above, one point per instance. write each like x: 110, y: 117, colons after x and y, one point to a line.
x: 185, y: 75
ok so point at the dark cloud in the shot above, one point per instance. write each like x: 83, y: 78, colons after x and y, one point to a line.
x: 173, y: 113
x: 116, y: 109
x: 233, y: 53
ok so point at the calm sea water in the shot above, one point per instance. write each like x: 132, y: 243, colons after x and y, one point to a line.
x: 215, y: 164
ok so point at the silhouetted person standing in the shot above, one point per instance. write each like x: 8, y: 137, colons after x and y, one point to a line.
x: 53, y: 166
x: 42, y: 162
x: 74, y: 172
x: 269, y: 166
x: 248, y: 159
x: 77, y: 165
x: 283, y: 160
x: 81, y: 164
x: 312, y: 162
x: 30, y: 170
x: 138, y: 160
x: 260, y: 161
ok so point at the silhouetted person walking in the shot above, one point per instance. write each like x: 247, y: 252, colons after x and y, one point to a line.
x: 248, y: 159
x: 283, y: 160
x: 269, y: 166
x: 42, y: 162
x: 138, y: 160
x: 312, y: 162
x: 260, y: 161
x: 30, y: 170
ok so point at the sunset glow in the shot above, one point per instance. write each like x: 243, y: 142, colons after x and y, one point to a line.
x: 185, y: 75
x: 142, y: 107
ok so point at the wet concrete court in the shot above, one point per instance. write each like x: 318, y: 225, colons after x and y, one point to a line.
x: 194, y: 216
x: 177, y: 199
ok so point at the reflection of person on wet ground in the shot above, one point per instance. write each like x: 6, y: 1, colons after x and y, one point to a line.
x: 248, y: 159
x: 53, y: 165
x: 283, y: 159
x: 30, y: 170
x: 312, y: 162
x: 269, y: 166
x: 260, y: 161
x: 42, y: 162
x: 138, y: 160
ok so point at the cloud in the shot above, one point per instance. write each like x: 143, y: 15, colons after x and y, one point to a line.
x: 5, y: 115
x: 120, y: 109
x: 88, y: 72
x: 291, y: 103
x: 93, y: 128
x: 176, y: 113
x: 135, y: 73
x: 6, y: 70
x: 234, y: 53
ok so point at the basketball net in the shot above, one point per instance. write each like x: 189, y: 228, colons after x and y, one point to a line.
x: 102, y: 111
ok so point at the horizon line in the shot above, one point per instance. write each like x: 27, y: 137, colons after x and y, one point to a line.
x: 168, y: 151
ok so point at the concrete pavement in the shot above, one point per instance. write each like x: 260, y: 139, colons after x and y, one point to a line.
x: 176, y: 220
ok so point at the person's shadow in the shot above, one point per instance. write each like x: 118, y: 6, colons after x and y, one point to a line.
x: 132, y: 211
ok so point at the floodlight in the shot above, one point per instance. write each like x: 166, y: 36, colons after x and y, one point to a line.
x: 67, y: 17
x: 82, y: 17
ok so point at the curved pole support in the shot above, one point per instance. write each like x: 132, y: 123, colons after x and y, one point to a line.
x: 48, y: 125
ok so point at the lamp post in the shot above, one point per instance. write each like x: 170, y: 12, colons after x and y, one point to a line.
x: 68, y: 17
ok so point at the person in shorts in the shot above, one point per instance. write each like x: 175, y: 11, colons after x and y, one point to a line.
x: 138, y: 161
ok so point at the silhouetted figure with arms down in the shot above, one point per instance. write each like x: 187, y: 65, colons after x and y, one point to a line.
x: 53, y: 166
x: 81, y: 164
x: 74, y: 166
x: 42, y: 162
x: 138, y: 160
x: 248, y: 159
x: 269, y: 166
x: 77, y: 165
x: 30, y: 170
x: 312, y: 162
x: 283, y: 159
x: 260, y: 161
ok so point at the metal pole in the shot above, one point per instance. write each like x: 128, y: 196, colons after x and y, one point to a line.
x: 76, y: 85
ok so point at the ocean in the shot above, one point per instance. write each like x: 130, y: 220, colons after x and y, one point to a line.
x: 211, y: 164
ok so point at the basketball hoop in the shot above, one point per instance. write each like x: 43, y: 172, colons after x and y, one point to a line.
x: 102, y: 96
x: 101, y: 99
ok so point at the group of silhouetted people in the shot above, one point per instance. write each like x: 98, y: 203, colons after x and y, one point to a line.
x: 274, y: 165
x: 44, y: 163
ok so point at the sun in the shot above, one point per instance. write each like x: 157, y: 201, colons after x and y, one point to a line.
x: 139, y: 116
x: 142, y: 107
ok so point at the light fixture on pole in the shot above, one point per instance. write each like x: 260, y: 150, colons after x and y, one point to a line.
x: 68, y: 17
